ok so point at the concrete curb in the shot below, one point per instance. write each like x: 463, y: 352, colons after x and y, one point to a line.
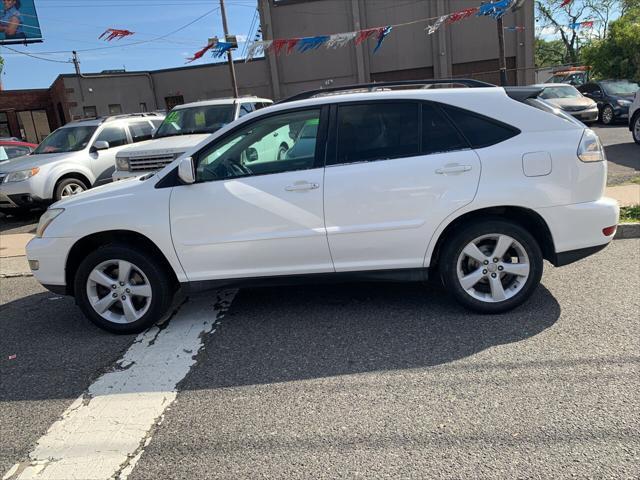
x: 627, y: 230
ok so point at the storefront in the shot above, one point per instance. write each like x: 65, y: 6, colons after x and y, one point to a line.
x: 26, y: 114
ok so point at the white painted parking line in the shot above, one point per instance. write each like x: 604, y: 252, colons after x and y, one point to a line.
x: 104, y: 432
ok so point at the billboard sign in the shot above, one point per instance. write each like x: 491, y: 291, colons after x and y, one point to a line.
x: 19, y: 22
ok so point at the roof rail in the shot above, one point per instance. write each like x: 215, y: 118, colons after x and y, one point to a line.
x: 371, y: 87
x: 128, y: 115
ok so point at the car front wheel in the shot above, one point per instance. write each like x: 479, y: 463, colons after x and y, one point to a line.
x: 607, y: 115
x: 68, y: 188
x: 122, y: 290
x: 491, y: 266
x: 636, y: 129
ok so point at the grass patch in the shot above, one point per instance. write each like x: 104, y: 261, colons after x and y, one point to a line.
x: 630, y: 214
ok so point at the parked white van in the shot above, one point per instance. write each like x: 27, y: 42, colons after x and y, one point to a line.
x: 184, y: 128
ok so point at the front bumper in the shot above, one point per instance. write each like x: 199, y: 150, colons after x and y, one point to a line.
x: 19, y: 195
x: 577, y: 230
x: 589, y: 115
x: 51, y: 255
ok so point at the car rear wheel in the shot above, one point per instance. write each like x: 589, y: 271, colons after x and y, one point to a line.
x: 491, y: 266
x: 122, y: 290
x: 607, y: 115
x: 68, y: 187
x: 636, y: 129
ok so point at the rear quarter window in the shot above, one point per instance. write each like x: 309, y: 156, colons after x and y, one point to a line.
x: 480, y: 131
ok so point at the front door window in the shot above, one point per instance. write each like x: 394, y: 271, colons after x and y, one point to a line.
x: 270, y: 145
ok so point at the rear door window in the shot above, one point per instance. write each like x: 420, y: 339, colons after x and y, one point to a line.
x: 377, y: 131
x: 438, y: 133
x: 479, y: 130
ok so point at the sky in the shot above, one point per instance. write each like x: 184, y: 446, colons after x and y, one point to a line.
x: 76, y: 25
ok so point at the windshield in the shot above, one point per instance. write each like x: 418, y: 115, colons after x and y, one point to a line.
x: 564, y: 91
x: 206, y: 119
x: 620, y: 88
x: 67, y: 139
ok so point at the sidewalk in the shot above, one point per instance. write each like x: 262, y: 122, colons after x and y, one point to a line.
x: 13, y: 262
x: 626, y: 195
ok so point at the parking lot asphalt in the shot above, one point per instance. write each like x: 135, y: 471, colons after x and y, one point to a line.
x: 622, y: 152
x: 363, y: 380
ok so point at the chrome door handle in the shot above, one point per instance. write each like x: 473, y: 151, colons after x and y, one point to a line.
x: 301, y: 187
x: 453, y: 168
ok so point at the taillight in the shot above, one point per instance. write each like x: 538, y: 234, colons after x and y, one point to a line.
x: 590, y: 148
x: 609, y: 230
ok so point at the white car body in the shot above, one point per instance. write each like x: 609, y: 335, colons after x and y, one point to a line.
x: 156, y: 153
x: 634, y: 118
x: 90, y: 166
x: 373, y: 216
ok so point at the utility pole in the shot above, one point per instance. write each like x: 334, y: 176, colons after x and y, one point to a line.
x: 232, y: 69
x: 76, y: 64
x: 503, y: 61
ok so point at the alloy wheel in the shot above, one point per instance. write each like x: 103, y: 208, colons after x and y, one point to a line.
x: 607, y: 115
x: 493, y: 268
x: 71, y: 189
x: 636, y: 130
x: 119, y: 291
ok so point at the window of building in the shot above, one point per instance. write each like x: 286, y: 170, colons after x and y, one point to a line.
x: 256, y: 149
x: 116, y: 136
x: 140, y: 131
x: 34, y: 125
x: 115, y: 109
x: 377, y: 131
x: 90, y: 112
x: 438, y: 133
x: 4, y: 125
x: 478, y: 130
x: 143, y: 107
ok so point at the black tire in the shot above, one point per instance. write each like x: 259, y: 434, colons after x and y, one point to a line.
x: 604, y: 116
x: 635, y: 129
x: 455, y: 244
x: 282, y: 151
x: 65, y: 182
x: 159, y: 279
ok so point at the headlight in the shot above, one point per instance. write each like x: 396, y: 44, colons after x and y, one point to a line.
x: 46, y: 219
x: 590, y: 148
x: 624, y: 103
x: 122, y: 164
x: 21, y: 175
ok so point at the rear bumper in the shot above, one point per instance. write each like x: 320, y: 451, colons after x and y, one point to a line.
x: 577, y: 230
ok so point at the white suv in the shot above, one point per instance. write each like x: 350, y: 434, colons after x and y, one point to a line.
x: 634, y: 118
x: 70, y: 160
x: 183, y: 128
x: 483, y: 183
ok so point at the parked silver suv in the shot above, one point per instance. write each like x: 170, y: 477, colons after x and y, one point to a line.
x: 70, y: 160
x: 634, y: 118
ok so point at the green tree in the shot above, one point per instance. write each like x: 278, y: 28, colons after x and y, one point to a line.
x: 549, y: 53
x: 618, y: 55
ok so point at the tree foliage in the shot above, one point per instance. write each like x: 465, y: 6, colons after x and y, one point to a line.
x: 549, y: 53
x: 551, y: 15
x: 618, y: 55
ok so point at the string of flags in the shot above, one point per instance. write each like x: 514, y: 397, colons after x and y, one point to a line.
x: 288, y: 46
x: 217, y: 48
x: 115, y: 33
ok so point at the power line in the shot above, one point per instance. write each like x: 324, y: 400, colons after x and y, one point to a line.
x: 36, y: 57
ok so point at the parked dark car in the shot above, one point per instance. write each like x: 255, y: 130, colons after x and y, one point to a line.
x: 614, y: 97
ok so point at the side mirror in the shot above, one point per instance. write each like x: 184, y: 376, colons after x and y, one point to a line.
x: 597, y: 93
x: 186, y: 171
x: 100, y: 145
x: 251, y: 154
